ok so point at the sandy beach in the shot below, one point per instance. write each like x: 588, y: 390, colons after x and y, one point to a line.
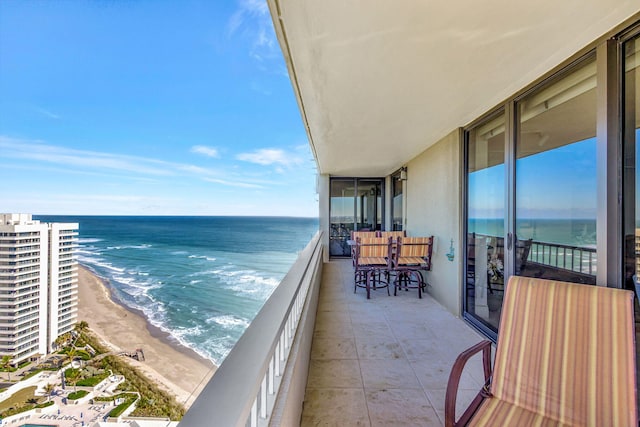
x: 176, y: 368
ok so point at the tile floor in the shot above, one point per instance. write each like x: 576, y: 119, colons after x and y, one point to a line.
x: 383, y: 361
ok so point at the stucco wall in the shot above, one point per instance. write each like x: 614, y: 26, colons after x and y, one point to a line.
x: 433, y: 208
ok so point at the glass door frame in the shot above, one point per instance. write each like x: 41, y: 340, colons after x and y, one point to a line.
x: 471, y: 318
x: 612, y: 175
x: 630, y: 163
x: 398, y: 178
x: 357, y: 216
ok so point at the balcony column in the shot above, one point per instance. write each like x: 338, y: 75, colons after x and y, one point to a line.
x: 609, y: 179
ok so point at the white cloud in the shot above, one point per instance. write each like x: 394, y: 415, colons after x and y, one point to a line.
x: 84, y: 160
x: 247, y: 9
x: 204, y: 150
x: 252, y: 21
x: 47, y: 113
x: 233, y: 183
x: 38, y: 151
x: 270, y: 156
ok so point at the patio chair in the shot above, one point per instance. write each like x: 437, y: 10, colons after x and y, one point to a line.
x: 393, y: 234
x: 565, y: 357
x: 523, y: 247
x: 354, y: 237
x: 372, y: 263
x: 411, y: 257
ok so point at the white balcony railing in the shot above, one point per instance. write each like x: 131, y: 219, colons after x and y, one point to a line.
x: 262, y: 379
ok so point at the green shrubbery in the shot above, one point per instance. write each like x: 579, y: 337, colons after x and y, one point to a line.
x: 110, y: 398
x: 45, y: 404
x: 154, y: 402
x: 128, y: 400
x: 92, y: 381
x: 21, y: 401
x: 86, y: 337
x: 83, y: 355
x: 77, y: 394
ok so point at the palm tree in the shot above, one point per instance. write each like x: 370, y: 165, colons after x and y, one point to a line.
x: 72, y: 376
x: 49, y: 388
x: 63, y: 339
x: 82, y: 325
x: 5, y: 362
x: 71, y: 354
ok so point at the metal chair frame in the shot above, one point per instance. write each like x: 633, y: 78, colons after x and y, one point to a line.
x: 373, y: 263
x: 411, y: 257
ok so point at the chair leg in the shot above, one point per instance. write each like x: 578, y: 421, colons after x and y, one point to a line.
x: 396, y: 283
x: 368, y: 284
x: 388, y: 282
x: 406, y: 279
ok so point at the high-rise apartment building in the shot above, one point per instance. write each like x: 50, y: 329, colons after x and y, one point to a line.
x: 38, y: 284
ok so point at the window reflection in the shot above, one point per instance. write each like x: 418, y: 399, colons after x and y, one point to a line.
x: 397, y: 185
x: 556, y: 179
x: 342, y: 216
x: 355, y: 204
x: 485, y: 221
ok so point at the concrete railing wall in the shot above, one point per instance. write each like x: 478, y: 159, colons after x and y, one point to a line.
x: 269, y: 363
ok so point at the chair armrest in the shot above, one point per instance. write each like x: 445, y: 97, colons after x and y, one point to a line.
x: 454, y: 381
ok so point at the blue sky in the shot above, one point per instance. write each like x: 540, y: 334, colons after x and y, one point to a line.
x: 150, y: 108
x: 558, y: 183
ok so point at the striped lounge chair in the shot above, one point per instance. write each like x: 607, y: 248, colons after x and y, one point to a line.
x: 565, y: 357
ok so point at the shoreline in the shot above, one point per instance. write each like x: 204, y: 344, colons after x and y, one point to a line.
x: 174, y: 367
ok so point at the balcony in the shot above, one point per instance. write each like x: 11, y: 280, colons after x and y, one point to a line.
x: 383, y: 361
x: 319, y: 354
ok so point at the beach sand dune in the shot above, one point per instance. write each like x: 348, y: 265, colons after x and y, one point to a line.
x: 172, y: 366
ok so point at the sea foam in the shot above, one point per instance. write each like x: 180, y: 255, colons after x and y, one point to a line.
x: 200, y: 279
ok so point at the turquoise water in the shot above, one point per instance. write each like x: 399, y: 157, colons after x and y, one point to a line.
x: 572, y: 232
x: 201, y: 279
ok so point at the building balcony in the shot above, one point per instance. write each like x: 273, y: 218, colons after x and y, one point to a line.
x: 331, y: 357
x: 319, y: 353
x: 383, y: 361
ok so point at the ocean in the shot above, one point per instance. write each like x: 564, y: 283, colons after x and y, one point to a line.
x: 200, y: 279
x: 572, y: 232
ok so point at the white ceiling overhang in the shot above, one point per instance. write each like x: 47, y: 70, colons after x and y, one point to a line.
x: 378, y: 82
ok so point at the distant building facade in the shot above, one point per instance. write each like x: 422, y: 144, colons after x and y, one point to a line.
x: 38, y: 284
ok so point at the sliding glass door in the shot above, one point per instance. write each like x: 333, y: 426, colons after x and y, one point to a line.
x: 397, y: 196
x: 555, y: 191
x: 485, y: 220
x: 531, y: 202
x: 355, y: 204
x: 631, y: 138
